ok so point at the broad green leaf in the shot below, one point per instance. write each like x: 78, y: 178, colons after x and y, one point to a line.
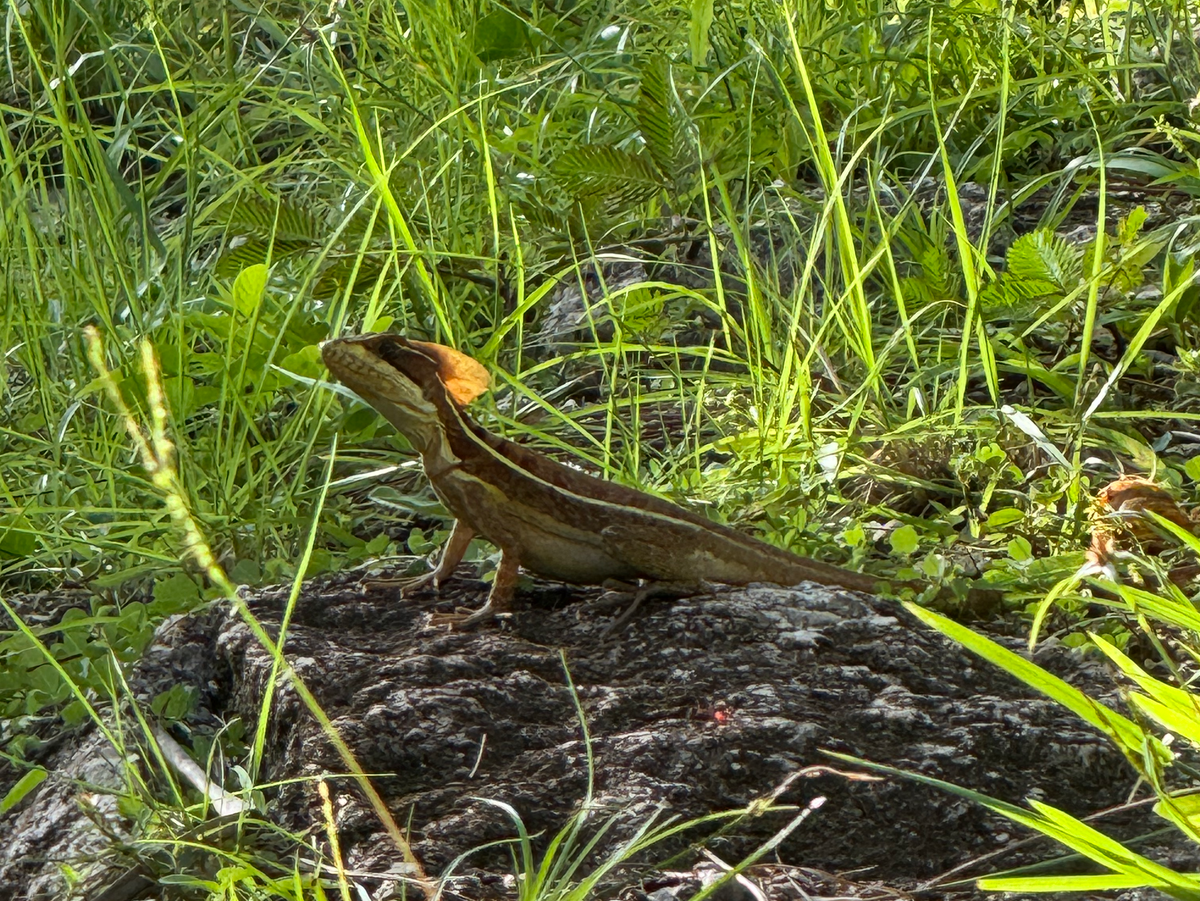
x: 1005, y: 516
x: 500, y: 34
x: 248, y: 288
x: 24, y: 786
x: 17, y: 536
x: 1019, y: 549
x: 177, y: 592
x: 905, y: 540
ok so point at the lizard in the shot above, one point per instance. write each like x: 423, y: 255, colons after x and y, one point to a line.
x: 552, y: 519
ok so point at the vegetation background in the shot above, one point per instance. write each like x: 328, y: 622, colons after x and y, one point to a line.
x: 898, y: 285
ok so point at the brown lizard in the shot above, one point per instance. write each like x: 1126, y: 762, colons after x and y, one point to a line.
x: 550, y: 518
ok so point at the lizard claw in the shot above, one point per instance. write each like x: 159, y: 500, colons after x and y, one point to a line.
x: 615, y: 592
x: 406, y: 584
x: 461, y: 622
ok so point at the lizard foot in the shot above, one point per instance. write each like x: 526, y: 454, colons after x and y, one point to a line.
x: 406, y: 584
x: 461, y: 622
x: 616, y: 593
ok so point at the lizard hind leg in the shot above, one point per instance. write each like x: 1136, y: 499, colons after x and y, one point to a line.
x: 633, y: 599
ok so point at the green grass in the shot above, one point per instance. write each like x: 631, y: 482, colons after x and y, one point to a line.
x: 851, y: 363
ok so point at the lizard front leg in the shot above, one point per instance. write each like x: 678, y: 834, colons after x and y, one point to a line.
x: 452, y: 554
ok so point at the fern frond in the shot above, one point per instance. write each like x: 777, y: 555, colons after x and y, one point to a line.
x: 992, y: 297
x: 264, y: 218
x: 332, y: 281
x: 595, y: 171
x: 936, y: 270
x: 658, y: 118
x: 252, y: 251
x: 1130, y: 227
x: 916, y: 292
x: 1042, y: 256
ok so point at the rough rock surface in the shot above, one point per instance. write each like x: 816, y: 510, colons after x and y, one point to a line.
x: 698, y: 705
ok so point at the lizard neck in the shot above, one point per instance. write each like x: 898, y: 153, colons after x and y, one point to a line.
x: 445, y: 442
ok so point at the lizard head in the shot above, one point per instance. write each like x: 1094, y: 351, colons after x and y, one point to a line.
x: 407, y: 381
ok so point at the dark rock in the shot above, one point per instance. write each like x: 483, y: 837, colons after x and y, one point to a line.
x: 700, y: 705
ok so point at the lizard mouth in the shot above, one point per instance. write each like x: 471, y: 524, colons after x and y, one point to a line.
x: 359, y: 367
x: 373, y: 361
